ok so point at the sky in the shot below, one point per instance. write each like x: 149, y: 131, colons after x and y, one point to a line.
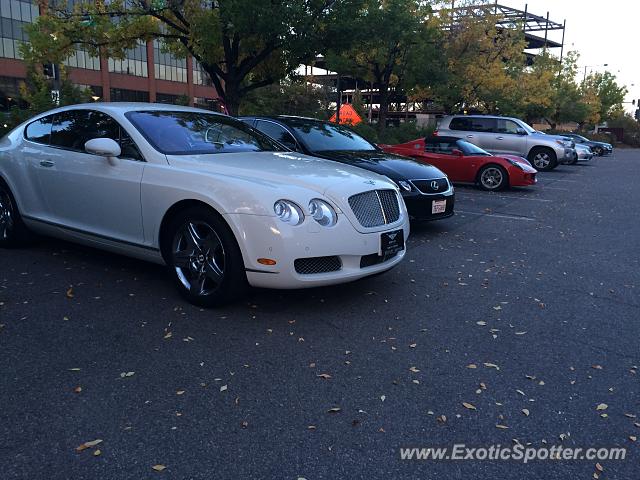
x: 603, y: 32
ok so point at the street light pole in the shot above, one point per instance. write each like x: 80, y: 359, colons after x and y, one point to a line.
x: 584, y: 78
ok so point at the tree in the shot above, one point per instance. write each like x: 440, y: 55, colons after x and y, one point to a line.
x: 609, y: 93
x: 384, y: 34
x: 242, y: 44
x: 483, y: 63
x: 291, y: 97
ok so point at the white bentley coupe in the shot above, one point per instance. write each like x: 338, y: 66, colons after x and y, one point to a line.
x: 219, y: 203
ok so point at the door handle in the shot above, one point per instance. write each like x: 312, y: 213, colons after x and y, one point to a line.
x: 499, y: 138
x: 47, y: 163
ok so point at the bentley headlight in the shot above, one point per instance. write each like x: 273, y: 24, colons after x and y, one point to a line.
x: 288, y: 212
x: 322, y: 212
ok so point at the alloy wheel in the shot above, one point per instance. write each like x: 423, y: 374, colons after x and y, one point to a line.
x: 198, y: 258
x: 541, y: 160
x: 6, y: 215
x: 491, y: 178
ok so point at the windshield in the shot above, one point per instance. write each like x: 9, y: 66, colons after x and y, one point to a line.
x: 528, y: 128
x: 471, y: 149
x: 321, y: 136
x: 189, y: 133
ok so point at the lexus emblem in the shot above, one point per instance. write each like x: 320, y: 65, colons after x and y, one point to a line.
x: 434, y: 185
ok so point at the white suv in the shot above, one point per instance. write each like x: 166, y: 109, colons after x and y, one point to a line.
x: 505, y: 135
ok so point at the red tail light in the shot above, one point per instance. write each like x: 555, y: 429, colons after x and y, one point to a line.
x: 435, y: 133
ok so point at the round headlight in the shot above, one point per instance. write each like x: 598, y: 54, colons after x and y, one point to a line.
x: 322, y: 212
x: 404, y: 185
x: 288, y: 212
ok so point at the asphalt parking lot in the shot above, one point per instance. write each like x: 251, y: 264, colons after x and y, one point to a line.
x: 536, y: 288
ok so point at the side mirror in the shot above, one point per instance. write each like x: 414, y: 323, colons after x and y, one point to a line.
x: 456, y: 152
x: 521, y: 131
x: 105, y: 147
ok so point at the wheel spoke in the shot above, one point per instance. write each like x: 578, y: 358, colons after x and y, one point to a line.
x: 197, y: 284
x: 214, y: 272
x: 193, y: 238
x: 182, y: 259
x: 211, y: 242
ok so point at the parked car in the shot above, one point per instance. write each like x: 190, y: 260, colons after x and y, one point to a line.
x: 464, y: 162
x: 425, y: 189
x: 598, y: 148
x: 583, y: 153
x: 218, y: 202
x: 509, y: 136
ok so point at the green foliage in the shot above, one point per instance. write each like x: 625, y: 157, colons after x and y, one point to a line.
x: 630, y: 125
x: 35, y: 93
x: 609, y: 93
x: 405, y: 132
x: 242, y: 44
x: 288, y: 98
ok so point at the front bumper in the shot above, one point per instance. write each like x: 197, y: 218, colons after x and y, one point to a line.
x: 268, y: 237
x: 565, y: 155
x: 584, y: 156
x: 420, y: 206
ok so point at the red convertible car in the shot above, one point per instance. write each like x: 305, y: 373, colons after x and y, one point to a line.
x: 464, y: 162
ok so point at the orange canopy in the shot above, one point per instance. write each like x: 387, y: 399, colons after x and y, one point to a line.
x: 348, y: 115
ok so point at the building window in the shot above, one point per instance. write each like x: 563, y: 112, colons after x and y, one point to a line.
x: 81, y: 59
x: 167, y: 66
x: 134, y: 63
x: 122, y: 95
x: 14, y: 15
x: 200, y: 77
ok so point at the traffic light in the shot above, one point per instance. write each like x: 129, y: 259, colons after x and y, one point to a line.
x: 48, y: 70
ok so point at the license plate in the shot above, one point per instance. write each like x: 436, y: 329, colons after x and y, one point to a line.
x: 438, y: 206
x: 391, y: 243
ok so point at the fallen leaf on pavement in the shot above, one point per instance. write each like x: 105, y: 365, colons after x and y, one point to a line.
x: 326, y: 376
x: 334, y: 410
x: 602, y: 406
x: 158, y: 468
x: 526, y: 412
x: 86, y: 445
x: 470, y: 406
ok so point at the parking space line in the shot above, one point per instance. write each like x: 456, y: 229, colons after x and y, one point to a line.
x: 497, y: 215
x: 508, y: 197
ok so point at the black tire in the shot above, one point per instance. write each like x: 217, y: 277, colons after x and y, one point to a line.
x: 574, y: 160
x: 13, y: 231
x: 493, y: 178
x: 598, y: 151
x: 204, y: 258
x: 543, y: 159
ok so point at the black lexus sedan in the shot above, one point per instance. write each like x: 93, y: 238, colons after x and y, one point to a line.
x: 598, y: 148
x: 426, y: 190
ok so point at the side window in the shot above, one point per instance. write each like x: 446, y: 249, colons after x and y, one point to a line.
x: 442, y: 148
x: 40, y: 130
x: 506, y: 126
x: 69, y: 130
x: 482, y: 124
x: 74, y: 128
x: 278, y: 133
x: 460, y: 123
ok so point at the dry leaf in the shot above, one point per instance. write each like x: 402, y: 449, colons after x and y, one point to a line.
x: 472, y: 365
x: 630, y: 415
x: 481, y: 323
x: 633, y: 438
x: 244, y: 424
x: 223, y: 388
x: 326, y: 376
x: 333, y: 410
x: 414, y: 369
x: 599, y: 467
x: 497, y: 307
x: 311, y: 427
x: 180, y: 392
x: 491, y: 365
x: 526, y: 412
x: 413, y: 345
x: 596, y: 367
x: 70, y: 292
x: 86, y: 445
x: 383, y: 397
x: 502, y: 427
x: 470, y: 406
x: 97, y: 453
x: 602, y: 406
x: 442, y: 419
x: 78, y: 389
x: 158, y: 468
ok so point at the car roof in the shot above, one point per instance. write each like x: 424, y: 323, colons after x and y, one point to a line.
x: 442, y: 138
x: 123, y: 107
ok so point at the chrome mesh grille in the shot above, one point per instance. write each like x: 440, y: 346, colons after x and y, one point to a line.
x: 375, y: 208
x: 311, y: 265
